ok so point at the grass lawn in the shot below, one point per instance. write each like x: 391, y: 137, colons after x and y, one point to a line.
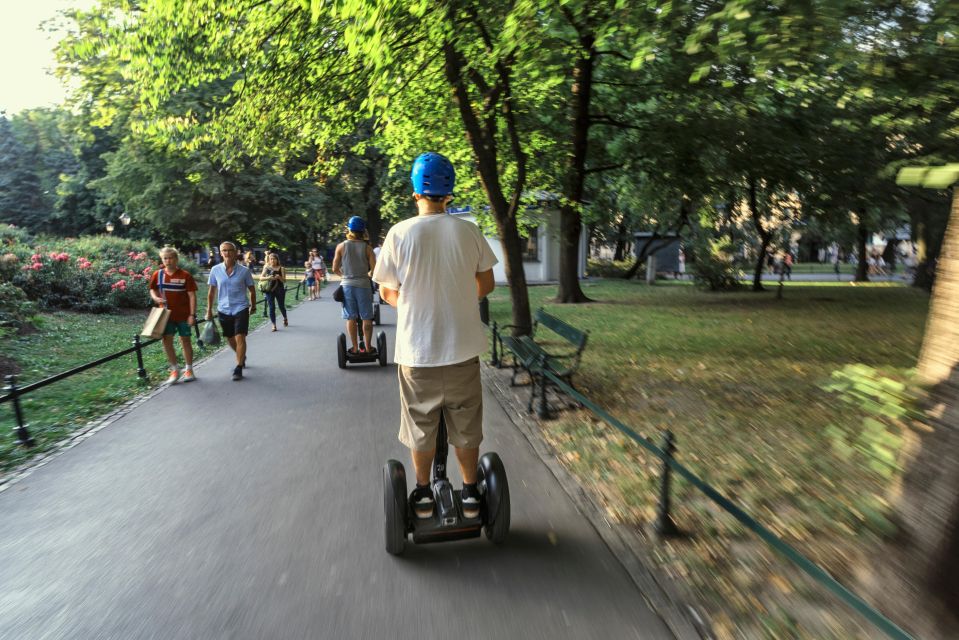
x: 66, y: 340
x: 736, y: 376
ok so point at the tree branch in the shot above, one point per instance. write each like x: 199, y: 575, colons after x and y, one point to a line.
x: 615, y: 54
x: 607, y: 120
x: 608, y: 167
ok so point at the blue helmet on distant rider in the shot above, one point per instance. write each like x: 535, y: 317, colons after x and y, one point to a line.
x: 356, y: 224
x: 433, y: 175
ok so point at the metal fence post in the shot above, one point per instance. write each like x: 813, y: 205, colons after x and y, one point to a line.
x: 664, y: 525
x: 141, y: 371
x: 22, y: 434
x: 494, y: 334
x: 542, y: 409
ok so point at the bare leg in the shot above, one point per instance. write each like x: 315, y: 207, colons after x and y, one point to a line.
x: 351, y: 329
x: 170, y: 352
x: 187, y: 351
x: 422, y: 463
x: 468, y: 459
x: 368, y: 332
x: 240, y: 349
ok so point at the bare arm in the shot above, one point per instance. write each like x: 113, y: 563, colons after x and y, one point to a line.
x: 338, y: 260
x: 191, y: 295
x: 484, y: 283
x: 210, y: 295
x: 390, y: 296
x: 371, y: 258
x: 252, y: 299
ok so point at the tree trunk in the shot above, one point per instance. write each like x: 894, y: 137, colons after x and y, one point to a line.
x: 620, y: 253
x: 917, y: 578
x: 764, y: 236
x: 684, y: 208
x: 571, y: 224
x: 374, y: 199
x: 862, y: 268
x: 483, y: 142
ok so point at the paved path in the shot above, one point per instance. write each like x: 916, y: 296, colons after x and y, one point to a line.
x: 253, y: 509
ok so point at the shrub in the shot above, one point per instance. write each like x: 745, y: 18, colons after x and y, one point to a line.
x: 714, y: 266
x: 608, y: 268
x: 94, y: 273
x: 15, y: 308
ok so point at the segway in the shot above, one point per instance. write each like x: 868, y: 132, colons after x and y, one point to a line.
x: 447, y: 522
x: 343, y: 355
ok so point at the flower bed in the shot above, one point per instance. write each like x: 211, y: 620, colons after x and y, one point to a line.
x: 94, y: 274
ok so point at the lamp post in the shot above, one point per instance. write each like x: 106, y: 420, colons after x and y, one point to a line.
x: 125, y: 219
x: 110, y: 227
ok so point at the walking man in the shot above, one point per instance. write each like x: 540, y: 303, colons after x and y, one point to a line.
x: 434, y: 269
x: 229, y: 284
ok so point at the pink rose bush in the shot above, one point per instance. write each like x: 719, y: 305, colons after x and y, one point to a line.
x: 91, y: 273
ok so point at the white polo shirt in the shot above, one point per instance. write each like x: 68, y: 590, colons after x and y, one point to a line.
x: 433, y: 261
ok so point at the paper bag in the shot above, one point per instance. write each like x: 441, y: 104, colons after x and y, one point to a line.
x: 156, y: 323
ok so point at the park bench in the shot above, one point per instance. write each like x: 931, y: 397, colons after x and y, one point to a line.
x: 559, y: 353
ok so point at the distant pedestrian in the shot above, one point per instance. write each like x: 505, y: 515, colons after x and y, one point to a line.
x: 319, y: 272
x: 274, y: 275
x: 175, y: 289
x: 230, y: 282
x: 788, y: 265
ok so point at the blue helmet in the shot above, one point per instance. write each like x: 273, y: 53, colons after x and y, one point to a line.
x: 356, y: 224
x: 433, y: 175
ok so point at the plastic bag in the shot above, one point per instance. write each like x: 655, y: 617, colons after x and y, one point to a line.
x: 209, y: 337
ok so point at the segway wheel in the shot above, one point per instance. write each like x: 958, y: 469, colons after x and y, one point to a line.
x: 376, y: 314
x: 381, y: 347
x: 395, y: 509
x: 495, y: 487
x: 341, y: 351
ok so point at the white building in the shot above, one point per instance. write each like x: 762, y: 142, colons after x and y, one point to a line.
x: 541, y: 255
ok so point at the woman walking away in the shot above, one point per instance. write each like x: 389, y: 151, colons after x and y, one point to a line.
x: 273, y: 286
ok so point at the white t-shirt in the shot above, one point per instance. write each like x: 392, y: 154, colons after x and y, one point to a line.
x: 433, y: 261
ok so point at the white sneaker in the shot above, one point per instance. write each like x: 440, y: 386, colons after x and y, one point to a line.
x: 173, y: 377
x: 188, y: 376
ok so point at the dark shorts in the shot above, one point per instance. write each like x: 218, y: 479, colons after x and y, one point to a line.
x: 238, y: 324
x: 183, y: 329
x: 310, y: 281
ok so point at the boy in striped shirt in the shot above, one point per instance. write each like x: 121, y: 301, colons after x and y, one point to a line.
x: 178, y: 293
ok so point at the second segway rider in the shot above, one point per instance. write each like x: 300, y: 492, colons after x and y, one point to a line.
x: 354, y: 262
x: 434, y: 269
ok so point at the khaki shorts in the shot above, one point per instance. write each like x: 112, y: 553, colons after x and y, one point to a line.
x: 455, y: 390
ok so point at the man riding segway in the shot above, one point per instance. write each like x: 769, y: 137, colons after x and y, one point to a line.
x: 433, y: 269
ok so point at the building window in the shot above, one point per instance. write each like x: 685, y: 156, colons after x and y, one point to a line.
x: 531, y: 247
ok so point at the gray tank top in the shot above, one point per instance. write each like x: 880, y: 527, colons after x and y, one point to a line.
x: 355, y: 266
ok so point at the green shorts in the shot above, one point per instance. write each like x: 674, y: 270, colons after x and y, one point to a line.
x: 183, y: 329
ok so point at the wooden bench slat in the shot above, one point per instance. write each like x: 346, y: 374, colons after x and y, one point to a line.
x: 560, y: 328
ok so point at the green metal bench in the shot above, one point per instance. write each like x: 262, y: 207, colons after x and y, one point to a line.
x: 528, y: 353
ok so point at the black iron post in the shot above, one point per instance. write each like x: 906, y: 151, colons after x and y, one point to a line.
x: 494, y: 335
x: 542, y: 409
x: 141, y: 371
x: 664, y: 525
x: 22, y: 434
